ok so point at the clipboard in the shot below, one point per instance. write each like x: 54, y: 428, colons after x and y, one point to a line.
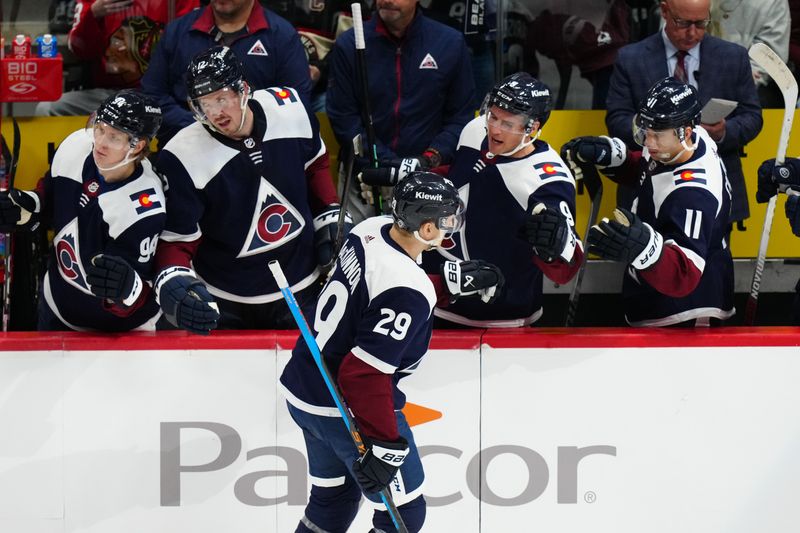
x: 716, y: 109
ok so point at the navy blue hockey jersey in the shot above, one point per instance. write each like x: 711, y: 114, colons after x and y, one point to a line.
x: 90, y: 216
x: 248, y: 201
x: 689, y: 205
x: 377, y: 304
x: 499, y: 193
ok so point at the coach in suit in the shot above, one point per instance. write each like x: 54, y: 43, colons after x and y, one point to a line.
x: 717, y: 68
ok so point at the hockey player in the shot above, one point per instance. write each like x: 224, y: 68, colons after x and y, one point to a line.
x: 786, y: 178
x: 680, y: 270
x: 373, y: 324
x: 106, y: 206
x: 512, y: 180
x: 245, y: 182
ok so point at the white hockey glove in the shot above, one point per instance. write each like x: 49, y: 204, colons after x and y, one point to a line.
x: 604, y: 152
x: 626, y: 239
x: 550, y: 234
x: 473, y: 278
x: 185, y: 300
x: 325, y: 232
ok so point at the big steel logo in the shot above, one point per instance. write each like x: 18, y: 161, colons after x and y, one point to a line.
x: 296, y: 471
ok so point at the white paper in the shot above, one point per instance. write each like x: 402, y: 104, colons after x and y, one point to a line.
x: 716, y: 109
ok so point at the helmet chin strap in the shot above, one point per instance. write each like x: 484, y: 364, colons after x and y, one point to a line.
x: 433, y: 243
x: 522, y: 144
x: 125, y: 160
x: 685, y: 149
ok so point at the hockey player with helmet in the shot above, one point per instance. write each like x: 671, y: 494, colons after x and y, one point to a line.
x: 375, y: 330
x: 784, y: 177
x: 248, y: 183
x: 512, y: 180
x: 680, y: 270
x: 106, y: 206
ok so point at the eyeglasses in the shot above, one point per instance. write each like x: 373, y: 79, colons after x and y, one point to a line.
x: 684, y: 24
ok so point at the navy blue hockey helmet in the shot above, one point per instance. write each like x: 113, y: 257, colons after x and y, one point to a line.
x: 212, y: 70
x: 132, y: 112
x: 669, y: 104
x: 427, y: 197
x: 521, y: 94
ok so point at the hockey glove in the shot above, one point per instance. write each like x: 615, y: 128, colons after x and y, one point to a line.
x: 185, y: 300
x: 773, y: 178
x: 605, y: 152
x: 389, y: 172
x: 112, y: 277
x: 793, y: 211
x: 471, y: 278
x: 18, y: 209
x: 549, y: 233
x: 626, y: 239
x: 377, y: 468
x: 325, y: 230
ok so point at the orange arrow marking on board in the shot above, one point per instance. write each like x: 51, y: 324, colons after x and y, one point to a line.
x: 417, y: 414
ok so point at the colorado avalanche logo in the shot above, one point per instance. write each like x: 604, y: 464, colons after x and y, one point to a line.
x: 275, y: 222
x: 69, y: 257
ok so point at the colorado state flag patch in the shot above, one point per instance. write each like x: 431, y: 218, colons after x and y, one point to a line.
x: 550, y: 169
x: 282, y: 95
x: 145, y: 200
x: 689, y: 175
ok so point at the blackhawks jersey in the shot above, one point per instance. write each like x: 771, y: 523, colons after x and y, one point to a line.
x: 499, y: 193
x: 689, y: 205
x: 90, y: 216
x: 378, y: 305
x: 246, y: 201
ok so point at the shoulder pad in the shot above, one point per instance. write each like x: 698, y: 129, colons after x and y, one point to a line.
x: 71, y: 156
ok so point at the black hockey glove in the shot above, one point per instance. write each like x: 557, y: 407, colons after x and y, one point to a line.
x: 793, y: 211
x: 389, y: 171
x: 473, y: 278
x: 626, y: 239
x: 605, y: 152
x: 325, y: 229
x: 774, y: 178
x: 377, y: 468
x: 18, y: 209
x: 185, y: 300
x: 112, y: 277
x: 549, y: 233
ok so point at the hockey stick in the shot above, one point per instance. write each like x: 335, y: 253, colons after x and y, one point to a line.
x: 347, y: 418
x: 9, y: 243
x: 594, y: 186
x: 767, y: 59
x: 348, y: 180
x: 363, y: 87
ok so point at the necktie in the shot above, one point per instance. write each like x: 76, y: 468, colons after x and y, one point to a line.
x: 680, y: 67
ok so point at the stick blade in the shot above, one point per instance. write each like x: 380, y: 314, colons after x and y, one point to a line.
x: 776, y: 68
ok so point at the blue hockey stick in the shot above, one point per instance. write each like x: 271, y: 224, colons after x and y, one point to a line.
x: 349, y: 422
